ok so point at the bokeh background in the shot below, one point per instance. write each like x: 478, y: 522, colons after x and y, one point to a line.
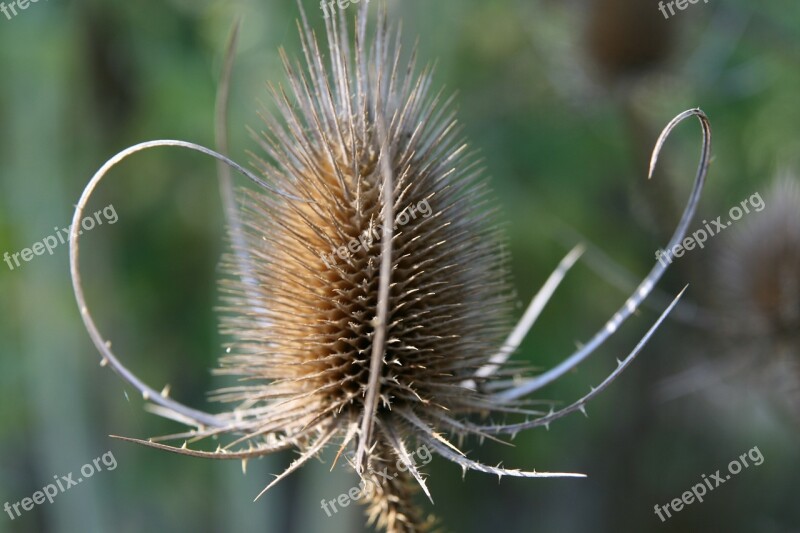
x: 563, y: 98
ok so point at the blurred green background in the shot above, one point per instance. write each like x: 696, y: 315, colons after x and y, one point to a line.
x: 564, y: 99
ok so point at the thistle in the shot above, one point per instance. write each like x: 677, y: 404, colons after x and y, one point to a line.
x: 627, y: 37
x: 758, y: 283
x: 759, y: 270
x: 368, y: 298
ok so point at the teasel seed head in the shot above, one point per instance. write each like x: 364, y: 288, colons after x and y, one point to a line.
x: 759, y: 270
x: 304, y: 312
x: 758, y: 283
x: 368, y: 299
x: 627, y: 37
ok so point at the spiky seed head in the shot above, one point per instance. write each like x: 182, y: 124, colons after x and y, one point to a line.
x: 759, y: 271
x: 627, y: 37
x: 303, y: 323
x: 758, y: 282
x: 369, y: 310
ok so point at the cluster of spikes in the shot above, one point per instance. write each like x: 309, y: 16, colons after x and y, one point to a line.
x: 759, y: 271
x: 401, y: 337
x: 758, y: 286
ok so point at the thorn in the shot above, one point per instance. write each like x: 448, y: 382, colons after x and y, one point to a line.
x: 103, y: 362
x: 244, y: 466
x: 582, y: 407
x: 185, y: 445
x: 145, y: 395
x: 165, y: 391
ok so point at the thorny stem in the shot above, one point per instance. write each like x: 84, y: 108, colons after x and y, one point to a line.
x: 103, y: 346
x: 646, y: 286
x: 382, y: 315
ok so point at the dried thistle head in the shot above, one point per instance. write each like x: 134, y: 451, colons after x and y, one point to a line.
x: 627, y: 37
x: 758, y: 283
x: 303, y: 310
x: 368, y: 300
x: 759, y: 270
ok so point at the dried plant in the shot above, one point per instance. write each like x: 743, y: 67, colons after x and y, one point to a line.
x: 758, y: 286
x: 401, y: 340
x: 627, y: 37
x: 758, y: 271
